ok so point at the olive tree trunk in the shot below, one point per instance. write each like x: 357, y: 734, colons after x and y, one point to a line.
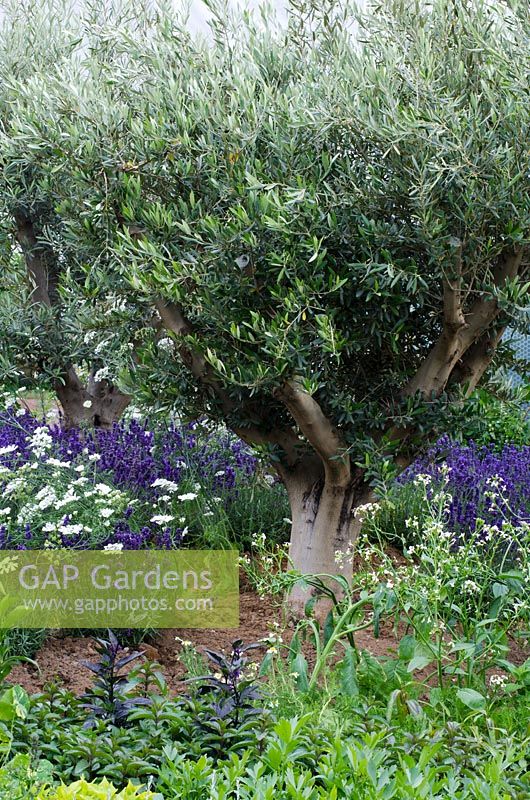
x: 99, y: 405
x: 324, y: 526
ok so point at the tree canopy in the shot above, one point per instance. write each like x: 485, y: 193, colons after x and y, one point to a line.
x: 331, y: 220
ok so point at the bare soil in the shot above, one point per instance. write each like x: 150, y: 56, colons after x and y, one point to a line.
x: 59, y: 660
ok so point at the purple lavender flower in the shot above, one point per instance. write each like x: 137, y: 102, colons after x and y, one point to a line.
x: 473, y: 472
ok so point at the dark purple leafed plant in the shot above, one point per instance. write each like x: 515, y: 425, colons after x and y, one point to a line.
x: 225, y: 705
x: 108, y: 699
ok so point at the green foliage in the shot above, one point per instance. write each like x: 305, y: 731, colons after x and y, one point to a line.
x: 9, y: 655
x: 300, y: 198
x: 22, y: 777
x: 382, y: 762
x: 25, y: 642
x: 345, y: 618
x: 131, y: 742
x: 490, y: 420
x: 81, y: 790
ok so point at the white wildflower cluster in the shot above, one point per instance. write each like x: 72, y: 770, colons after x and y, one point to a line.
x: 55, y: 462
x: 184, y: 642
x: 102, y: 374
x: 167, y: 486
x: 498, y: 681
x: 162, y: 519
x: 102, y: 346
x: 114, y: 546
x: 46, y: 497
x: 471, y: 587
x: 40, y: 441
x: 273, y: 639
x: 13, y: 486
x: 8, y: 399
x: 258, y: 540
x: 496, y: 482
x: 108, y: 500
x: 422, y: 480
x: 68, y: 498
x: 166, y: 345
x: 9, y: 448
x: 187, y: 496
x: 362, y: 511
x: 436, y: 528
x: 71, y: 530
x: 344, y: 557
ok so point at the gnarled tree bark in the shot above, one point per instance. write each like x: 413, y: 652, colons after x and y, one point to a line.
x: 99, y: 403
x: 324, y: 522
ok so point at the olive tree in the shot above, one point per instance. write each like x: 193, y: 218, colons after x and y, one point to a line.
x: 330, y: 219
x: 42, y: 339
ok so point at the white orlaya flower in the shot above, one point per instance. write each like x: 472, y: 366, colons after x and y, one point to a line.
x: 161, y: 519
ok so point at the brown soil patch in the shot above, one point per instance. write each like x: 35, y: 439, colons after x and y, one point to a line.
x: 60, y: 658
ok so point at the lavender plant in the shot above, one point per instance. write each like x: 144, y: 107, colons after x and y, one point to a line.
x: 140, y: 484
x: 471, y: 473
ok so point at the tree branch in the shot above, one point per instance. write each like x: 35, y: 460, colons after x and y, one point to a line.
x: 286, y: 439
x: 317, y: 429
x: 476, y: 360
x: 174, y: 320
x: 39, y: 260
x: 460, y: 329
x: 454, y: 318
x: 484, y: 311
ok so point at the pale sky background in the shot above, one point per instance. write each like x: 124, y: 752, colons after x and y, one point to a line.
x: 199, y: 13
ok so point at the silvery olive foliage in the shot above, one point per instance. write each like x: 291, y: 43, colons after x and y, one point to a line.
x: 329, y: 220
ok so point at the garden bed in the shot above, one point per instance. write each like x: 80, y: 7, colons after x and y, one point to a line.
x: 60, y: 657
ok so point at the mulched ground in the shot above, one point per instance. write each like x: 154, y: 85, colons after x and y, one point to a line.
x: 59, y: 658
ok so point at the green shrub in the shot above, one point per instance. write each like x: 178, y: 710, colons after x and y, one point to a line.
x: 490, y: 420
x: 21, y: 778
x: 81, y: 790
x: 381, y: 762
